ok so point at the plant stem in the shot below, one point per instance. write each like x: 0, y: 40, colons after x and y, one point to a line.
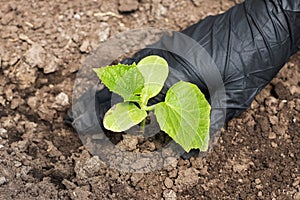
x: 142, y: 125
x: 148, y: 108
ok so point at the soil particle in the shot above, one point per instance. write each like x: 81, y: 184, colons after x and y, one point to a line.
x: 25, y: 75
x: 272, y: 135
x: 85, y: 46
x: 103, y: 32
x: 168, y: 183
x: 32, y: 102
x: 173, y: 173
x: 3, y: 133
x: 136, y: 178
x: 68, y: 184
x: 197, y: 2
x: 52, y: 64
x: 169, y: 195
x: 52, y: 150
x: 128, y: 5
x: 46, y: 112
x: 128, y: 143
x: 25, y: 38
x: 186, y: 178
x: 61, y: 101
x: 86, y: 167
x: 81, y: 193
x: 100, y: 187
x: 274, y: 145
x: 2, y: 180
x: 204, y: 171
x: 158, y: 10
x: 36, y: 56
x: 2, y: 101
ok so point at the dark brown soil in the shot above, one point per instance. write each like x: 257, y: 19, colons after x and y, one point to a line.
x: 43, y: 44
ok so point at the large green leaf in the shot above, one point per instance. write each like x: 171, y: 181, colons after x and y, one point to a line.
x: 125, y: 80
x: 155, y: 71
x: 185, y: 116
x: 123, y: 116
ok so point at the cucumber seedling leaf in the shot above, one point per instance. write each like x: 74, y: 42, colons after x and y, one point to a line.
x: 155, y: 71
x: 185, y: 116
x: 123, y: 116
x: 125, y: 80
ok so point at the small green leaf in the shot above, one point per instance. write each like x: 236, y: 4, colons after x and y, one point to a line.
x: 123, y: 116
x: 185, y: 116
x: 125, y: 80
x: 155, y: 71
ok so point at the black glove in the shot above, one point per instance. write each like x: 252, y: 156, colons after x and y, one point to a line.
x: 249, y: 44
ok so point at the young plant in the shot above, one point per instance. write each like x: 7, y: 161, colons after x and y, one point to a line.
x: 184, y: 115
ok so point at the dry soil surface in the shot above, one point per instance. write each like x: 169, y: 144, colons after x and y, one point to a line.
x: 42, y: 46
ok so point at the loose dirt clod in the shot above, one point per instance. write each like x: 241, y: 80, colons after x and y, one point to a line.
x: 128, y: 5
x: 169, y: 195
x: 168, y: 183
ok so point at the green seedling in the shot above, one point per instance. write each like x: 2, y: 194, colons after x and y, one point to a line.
x: 184, y: 115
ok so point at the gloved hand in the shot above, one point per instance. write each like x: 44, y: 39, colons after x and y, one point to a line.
x: 249, y: 44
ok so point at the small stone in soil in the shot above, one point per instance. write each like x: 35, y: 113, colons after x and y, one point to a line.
x: 274, y: 145
x: 2, y: 180
x: 170, y: 195
x: 18, y: 164
x: 257, y: 181
x: 84, y: 48
x: 259, y: 194
x: 62, y: 99
x: 259, y: 187
x: 2, y: 131
x: 272, y: 135
x: 103, y: 32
